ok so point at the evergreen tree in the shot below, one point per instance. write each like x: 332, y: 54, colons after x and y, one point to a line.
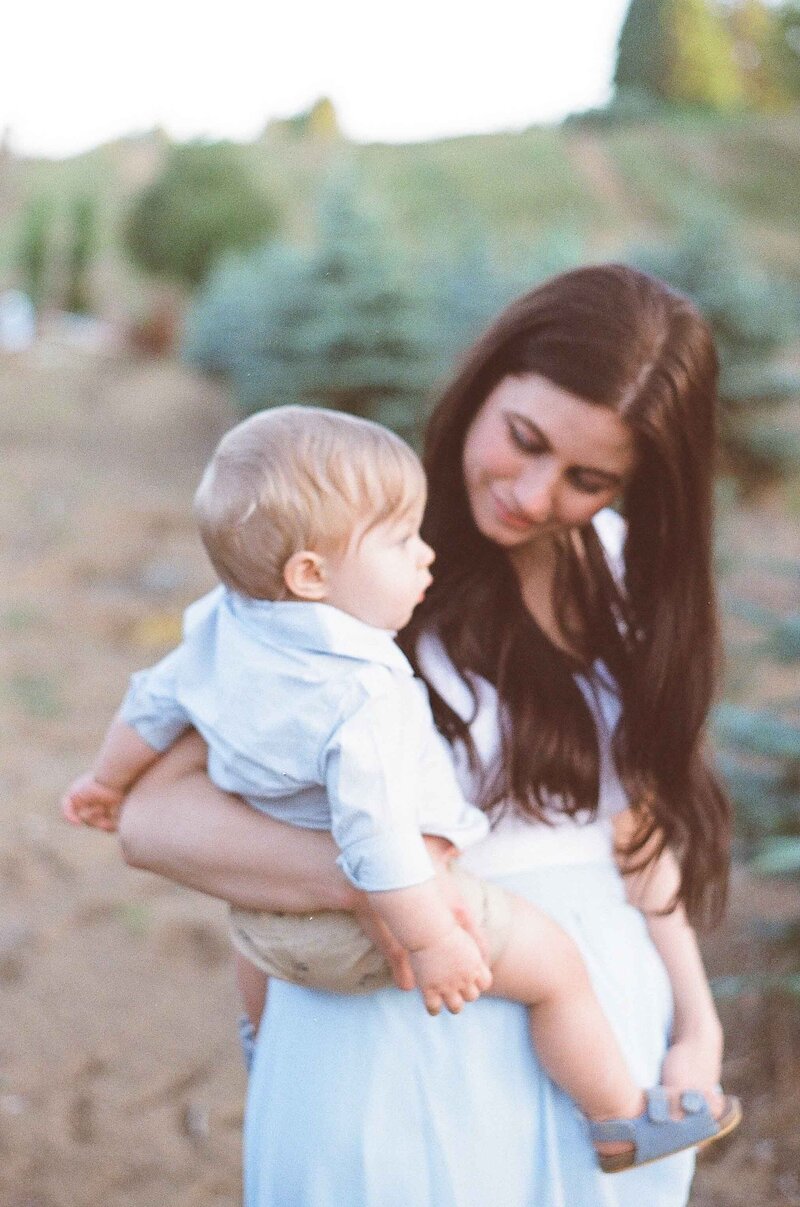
x: 703, y: 67
x: 786, y: 49
x: 34, y: 249
x: 754, y: 319
x: 342, y: 326
x: 202, y: 204
x: 319, y: 122
x: 79, y: 254
x: 642, y: 59
x: 679, y: 51
x: 323, y: 122
x: 760, y: 755
x: 755, y: 32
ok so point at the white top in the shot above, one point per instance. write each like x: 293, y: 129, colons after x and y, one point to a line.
x: 516, y: 844
x: 315, y: 718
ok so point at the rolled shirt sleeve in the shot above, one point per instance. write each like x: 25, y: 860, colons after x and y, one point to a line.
x: 151, y: 706
x: 371, y: 769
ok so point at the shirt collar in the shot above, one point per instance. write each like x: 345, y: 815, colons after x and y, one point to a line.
x: 318, y: 628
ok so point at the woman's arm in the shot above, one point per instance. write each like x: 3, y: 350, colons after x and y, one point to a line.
x: 695, y: 1056
x: 177, y: 823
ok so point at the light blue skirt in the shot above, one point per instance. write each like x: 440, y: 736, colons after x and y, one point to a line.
x: 368, y: 1102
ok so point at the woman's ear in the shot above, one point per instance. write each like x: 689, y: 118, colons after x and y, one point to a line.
x: 305, y: 576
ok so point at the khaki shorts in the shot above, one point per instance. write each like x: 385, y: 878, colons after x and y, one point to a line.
x: 329, y: 950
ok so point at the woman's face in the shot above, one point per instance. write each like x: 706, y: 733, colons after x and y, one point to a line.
x: 539, y: 460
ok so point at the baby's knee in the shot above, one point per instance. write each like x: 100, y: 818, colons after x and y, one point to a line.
x: 568, y: 973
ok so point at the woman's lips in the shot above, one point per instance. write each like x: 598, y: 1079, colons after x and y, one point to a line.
x: 512, y: 519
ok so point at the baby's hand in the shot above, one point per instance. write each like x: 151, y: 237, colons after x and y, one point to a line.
x: 88, y: 802
x: 450, y: 971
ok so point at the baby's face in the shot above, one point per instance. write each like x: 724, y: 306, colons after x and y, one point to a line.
x: 383, y: 573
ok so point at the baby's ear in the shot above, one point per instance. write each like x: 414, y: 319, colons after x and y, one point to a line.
x: 305, y: 576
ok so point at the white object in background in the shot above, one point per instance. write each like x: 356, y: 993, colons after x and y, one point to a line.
x: 17, y: 321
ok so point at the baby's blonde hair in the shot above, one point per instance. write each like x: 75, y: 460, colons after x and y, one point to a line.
x: 295, y: 478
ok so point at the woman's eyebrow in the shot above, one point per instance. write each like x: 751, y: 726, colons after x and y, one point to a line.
x: 610, y: 476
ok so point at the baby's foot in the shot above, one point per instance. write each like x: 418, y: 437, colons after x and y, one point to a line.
x: 668, y: 1122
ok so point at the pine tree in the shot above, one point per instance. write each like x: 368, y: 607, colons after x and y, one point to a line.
x: 786, y: 49
x: 754, y: 319
x: 755, y: 31
x: 341, y: 326
x: 703, y: 66
x: 79, y: 255
x: 679, y: 51
x: 642, y: 60
x: 33, y: 255
x: 760, y: 755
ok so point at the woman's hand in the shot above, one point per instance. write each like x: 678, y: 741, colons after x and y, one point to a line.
x: 376, y: 929
x: 693, y: 1064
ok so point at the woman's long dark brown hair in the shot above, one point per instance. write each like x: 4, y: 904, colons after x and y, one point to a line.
x: 619, y: 339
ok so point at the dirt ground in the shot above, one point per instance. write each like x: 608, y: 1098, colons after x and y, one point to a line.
x: 120, y: 1078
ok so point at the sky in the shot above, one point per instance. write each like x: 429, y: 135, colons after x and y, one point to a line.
x: 78, y: 74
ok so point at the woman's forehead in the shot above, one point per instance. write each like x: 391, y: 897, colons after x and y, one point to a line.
x: 580, y: 431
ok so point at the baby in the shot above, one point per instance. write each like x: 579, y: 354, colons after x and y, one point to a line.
x: 311, y: 713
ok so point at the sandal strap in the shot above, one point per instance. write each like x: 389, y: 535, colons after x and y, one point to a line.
x: 657, y: 1108
x: 612, y: 1131
x: 653, y: 1133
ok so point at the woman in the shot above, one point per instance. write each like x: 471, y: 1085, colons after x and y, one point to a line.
x: 574, y: 693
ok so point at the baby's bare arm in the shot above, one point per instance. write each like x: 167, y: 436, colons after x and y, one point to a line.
x: 94, y: 799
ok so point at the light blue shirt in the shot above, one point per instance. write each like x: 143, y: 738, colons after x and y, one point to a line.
x: 317, y: 719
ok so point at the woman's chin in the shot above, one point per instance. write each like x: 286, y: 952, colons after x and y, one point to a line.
x: 508, y: 537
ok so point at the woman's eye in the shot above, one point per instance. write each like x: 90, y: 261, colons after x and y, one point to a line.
x: 588, y: 486
x: 524, y: 440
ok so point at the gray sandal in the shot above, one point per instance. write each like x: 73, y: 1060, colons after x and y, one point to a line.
x: 654, y: 1134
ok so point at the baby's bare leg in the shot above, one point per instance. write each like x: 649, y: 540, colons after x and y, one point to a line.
x: 542, y: 967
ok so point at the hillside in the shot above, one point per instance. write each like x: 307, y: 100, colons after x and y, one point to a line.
x: 576, y: 191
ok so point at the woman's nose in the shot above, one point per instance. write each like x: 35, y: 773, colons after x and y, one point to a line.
x: 535, y: 490
x: 426, y: 555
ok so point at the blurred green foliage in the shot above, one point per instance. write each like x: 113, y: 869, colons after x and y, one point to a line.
x: 80, y: 250
x: 35, y: 244
x: 203, y: 203
x: 357, y: 321
x: 760, y: 757
x: 637, y: 179
x: 319, y: 121
x: 338, y: 325
x: 680, y: 51
x: 754, y: 318
x: 719, y: 55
